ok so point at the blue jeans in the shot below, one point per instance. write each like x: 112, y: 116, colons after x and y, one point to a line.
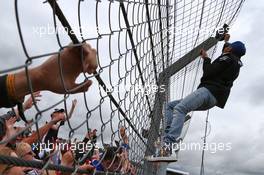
x: 200, y: 100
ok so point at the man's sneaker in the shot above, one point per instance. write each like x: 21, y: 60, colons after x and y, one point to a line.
x: 165, y: 155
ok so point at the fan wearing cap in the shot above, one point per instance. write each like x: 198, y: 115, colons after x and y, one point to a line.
x: 52, y: 134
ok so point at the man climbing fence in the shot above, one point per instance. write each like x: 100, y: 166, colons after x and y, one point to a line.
x: 214, y: 90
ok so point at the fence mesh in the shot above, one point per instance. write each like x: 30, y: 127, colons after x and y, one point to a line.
x: 136, y: 40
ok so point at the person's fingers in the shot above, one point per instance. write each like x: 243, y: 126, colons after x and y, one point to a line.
x: 36, y: 93
x: 63, y: 118
x: 201, y: 51
x: 36, y: 96
x: 86, y: 48
x: 74, y: 102
x: 12, y: 120
x: 87, y: 167
x: 29, y: 122
x: 94, y: 63
x: 83, y: 87
x: 226, y: 37
x: 91, y: 62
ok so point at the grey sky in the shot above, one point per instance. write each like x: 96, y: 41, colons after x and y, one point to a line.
x: 241, y: 122
x: 31, y: 19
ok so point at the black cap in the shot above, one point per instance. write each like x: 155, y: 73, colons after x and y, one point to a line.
x: 58, y: 110
x: 8, y: 115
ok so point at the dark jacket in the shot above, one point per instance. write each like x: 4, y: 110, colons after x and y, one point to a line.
x: 218, y: 76
x: 5, y: 100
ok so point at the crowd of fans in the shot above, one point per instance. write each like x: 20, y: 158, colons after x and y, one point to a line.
x: 59, y: 151
x: 44, y: 145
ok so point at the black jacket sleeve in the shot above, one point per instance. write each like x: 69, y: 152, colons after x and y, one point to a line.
x: 52, y: 135
x: 4, y: 99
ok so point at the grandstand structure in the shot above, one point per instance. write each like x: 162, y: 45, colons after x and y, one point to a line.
x: 148, y: 54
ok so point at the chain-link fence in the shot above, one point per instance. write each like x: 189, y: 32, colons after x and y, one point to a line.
x: 137, y: 41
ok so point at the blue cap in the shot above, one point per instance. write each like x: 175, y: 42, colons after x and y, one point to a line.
x: 238, y: 48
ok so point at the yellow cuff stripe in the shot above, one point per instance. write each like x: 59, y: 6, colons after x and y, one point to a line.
x: 10, y: 84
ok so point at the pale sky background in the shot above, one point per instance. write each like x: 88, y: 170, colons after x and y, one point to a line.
x: 241, y: 123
